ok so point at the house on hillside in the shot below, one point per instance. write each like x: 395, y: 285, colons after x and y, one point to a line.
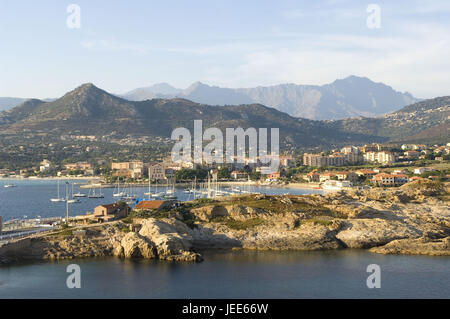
x: 384, y: 179
x: 105, y: 213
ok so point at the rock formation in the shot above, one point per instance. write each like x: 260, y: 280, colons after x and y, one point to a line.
x: 414, y: 219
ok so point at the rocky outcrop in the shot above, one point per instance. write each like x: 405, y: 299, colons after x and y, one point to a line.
x: 367, y: 233
x: 95, y: 243
x: 419, y: 246
x: 133, y: 245
x: 167, y: 239
x: 207, y: 213
x: 406, y: 220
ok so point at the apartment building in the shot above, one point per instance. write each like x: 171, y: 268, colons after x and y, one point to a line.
x: 133, y: 169
x: 336, y: 159
x: 384, y: 157
x: 83, y: 166
x: 157, y: 171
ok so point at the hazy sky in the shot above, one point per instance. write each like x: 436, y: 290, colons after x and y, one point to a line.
x: 122, y: 45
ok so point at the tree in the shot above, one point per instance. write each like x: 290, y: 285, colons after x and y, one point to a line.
x: 224, y: 173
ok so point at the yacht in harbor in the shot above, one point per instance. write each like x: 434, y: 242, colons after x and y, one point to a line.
x: 118, y: 192
x: 79, y: 195
x: 74, y: 200
x: 170, y: 193
x: 59, y: 198
x: 93, y: 194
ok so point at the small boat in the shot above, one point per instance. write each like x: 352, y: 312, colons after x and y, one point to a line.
x: 9, y: 185
x: 74, y: 199
x: 170, y: 193
x: 169, y: 196
x: 79, y: 195
x: 118, y: 192
x: 58, y: 199
x: 157, y: 194
x: 95, y: 195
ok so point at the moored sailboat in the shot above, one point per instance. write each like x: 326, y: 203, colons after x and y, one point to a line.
x: 59, y: 198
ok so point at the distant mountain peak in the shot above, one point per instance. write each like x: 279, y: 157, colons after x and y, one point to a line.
x: 347, y: 97
x: 195, y: 86
x: 87, y: 87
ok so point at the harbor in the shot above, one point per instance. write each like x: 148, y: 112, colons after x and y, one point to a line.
x: 31, y: 199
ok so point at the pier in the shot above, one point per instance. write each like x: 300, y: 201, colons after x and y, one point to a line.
x: 19, y: 228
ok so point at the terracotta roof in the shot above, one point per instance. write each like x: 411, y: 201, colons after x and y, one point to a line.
x: 149, y: 204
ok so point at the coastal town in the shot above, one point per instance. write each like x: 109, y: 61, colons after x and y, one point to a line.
x: 351, y: 167
x: 372, y: 164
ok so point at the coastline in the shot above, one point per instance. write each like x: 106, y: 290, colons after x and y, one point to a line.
x: 412, y: 220
x: 50, y: 178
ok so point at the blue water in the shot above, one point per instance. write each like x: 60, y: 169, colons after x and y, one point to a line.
x: 236, y: 274
x: 32, y: 197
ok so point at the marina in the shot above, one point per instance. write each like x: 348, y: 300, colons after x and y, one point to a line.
x: 31, y: 198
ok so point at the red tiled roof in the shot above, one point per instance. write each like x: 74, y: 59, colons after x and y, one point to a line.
x: 149, y: 204
x: 327, y: 174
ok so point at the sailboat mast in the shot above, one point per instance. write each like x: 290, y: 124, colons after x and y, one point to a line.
x: 67, y: 203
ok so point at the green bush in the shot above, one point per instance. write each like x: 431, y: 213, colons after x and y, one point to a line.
x: 237, y: 224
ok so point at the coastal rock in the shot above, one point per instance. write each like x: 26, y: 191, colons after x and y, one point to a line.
x: 207, y: 213
x: 367, y: 233
x: 405, y: 220
x: 419, y: 246
x: 172, y: 239
x: 135, y: 246
x: 306, y: 237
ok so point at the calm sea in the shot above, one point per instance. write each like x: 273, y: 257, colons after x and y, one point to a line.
x: 223, y: 274
x: 236, y: 274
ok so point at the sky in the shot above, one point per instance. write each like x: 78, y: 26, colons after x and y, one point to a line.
x: 123, y: 45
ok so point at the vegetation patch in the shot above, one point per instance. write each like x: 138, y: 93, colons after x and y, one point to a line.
x: 122, y: 228
x: 238, y: 224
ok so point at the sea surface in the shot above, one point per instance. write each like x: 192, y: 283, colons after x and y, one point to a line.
x: 236, y: 274
x: 223, y: 274
x: 31, y: 198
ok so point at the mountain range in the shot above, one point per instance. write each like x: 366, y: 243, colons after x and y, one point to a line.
x: 348, y: 97
x: 344, y: 98
x: 88, y: 110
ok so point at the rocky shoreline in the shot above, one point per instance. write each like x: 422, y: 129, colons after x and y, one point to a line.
x: 413, y: 219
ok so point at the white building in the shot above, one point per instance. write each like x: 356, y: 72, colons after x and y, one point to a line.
x: 383, y: 157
